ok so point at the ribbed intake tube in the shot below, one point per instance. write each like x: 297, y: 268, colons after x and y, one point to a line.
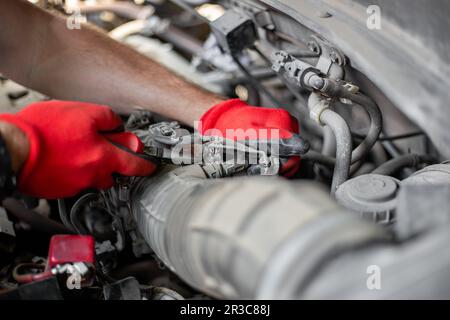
x: 222, y: 236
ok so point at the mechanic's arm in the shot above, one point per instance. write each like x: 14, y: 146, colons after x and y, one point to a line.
x: 40, y: 52
x: 59, y: 148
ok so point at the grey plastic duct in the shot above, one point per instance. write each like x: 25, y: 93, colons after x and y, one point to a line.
x: 244, y: 237
x: 416, y: 269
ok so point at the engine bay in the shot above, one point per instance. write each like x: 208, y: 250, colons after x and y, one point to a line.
x: 216, y: 221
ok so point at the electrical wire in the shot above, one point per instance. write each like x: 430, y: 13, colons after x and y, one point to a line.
x: 318, y: 157
x: 23, y: 277
x: 392, y: 138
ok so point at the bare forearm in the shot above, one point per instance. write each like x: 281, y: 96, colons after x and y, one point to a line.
x: 16, y: 143
x: 86, y: 65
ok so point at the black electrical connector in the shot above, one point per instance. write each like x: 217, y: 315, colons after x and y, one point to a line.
x: 234, y: 32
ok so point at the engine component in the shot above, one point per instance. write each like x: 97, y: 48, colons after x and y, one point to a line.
x: 373, y: 196
x: 130, y: 289
x: 7, y: 233
x: 422, y: 207
x: 34, y: 219
x: 437, y: 174
x: 262, y: 237
x: 72, y: 257
x: 408, y: 160
x: 416, y: 269
x: 308, y: 77
x: 214, y: 233
x: 328, y: 82
x: 320, y: 112
x: 30, y: 272
x: 106, y: 256
x: 70, y: 249
x: 234, y: 32
x: 88, y: 215
x: 125, y: 289
x: 47, y: 289
x: 220, y: 157
x: 304, y: 74
x: 116, y: 202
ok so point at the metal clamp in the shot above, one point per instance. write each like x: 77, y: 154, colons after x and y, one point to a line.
x: 168, y: 142
x: 315, y: 111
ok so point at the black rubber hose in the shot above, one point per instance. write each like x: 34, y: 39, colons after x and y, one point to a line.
x: 365, y: 168
x: 388, y: 168
x: 63, y: 214
x: 408, y: 160
x: 315, y: 156
x: 376, y: 124
x: 355, y: 167
x: 336, y: 90
x: 379, y: 154
x: 76, y: 212
x: 34, y: 219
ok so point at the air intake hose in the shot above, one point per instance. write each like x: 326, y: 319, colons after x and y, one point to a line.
x: 221, y: 236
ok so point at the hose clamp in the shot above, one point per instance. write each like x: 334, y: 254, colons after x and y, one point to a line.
x: 316, y: 110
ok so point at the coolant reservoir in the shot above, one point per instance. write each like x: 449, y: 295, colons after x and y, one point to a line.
x: 372, y: 195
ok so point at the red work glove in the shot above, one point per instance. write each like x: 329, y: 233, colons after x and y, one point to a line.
x: 71, y: 149
x: 236, y: 114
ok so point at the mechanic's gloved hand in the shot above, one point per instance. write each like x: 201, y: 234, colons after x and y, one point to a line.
x: 71, y: 148
x: 236, y: 114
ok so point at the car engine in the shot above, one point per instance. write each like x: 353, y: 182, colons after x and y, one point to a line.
x: 367, y: 216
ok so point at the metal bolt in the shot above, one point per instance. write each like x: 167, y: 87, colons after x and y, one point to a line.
x: 334, y: 57
x: 314, y: 47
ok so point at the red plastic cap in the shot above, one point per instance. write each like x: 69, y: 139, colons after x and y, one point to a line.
x: 71, y: 248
